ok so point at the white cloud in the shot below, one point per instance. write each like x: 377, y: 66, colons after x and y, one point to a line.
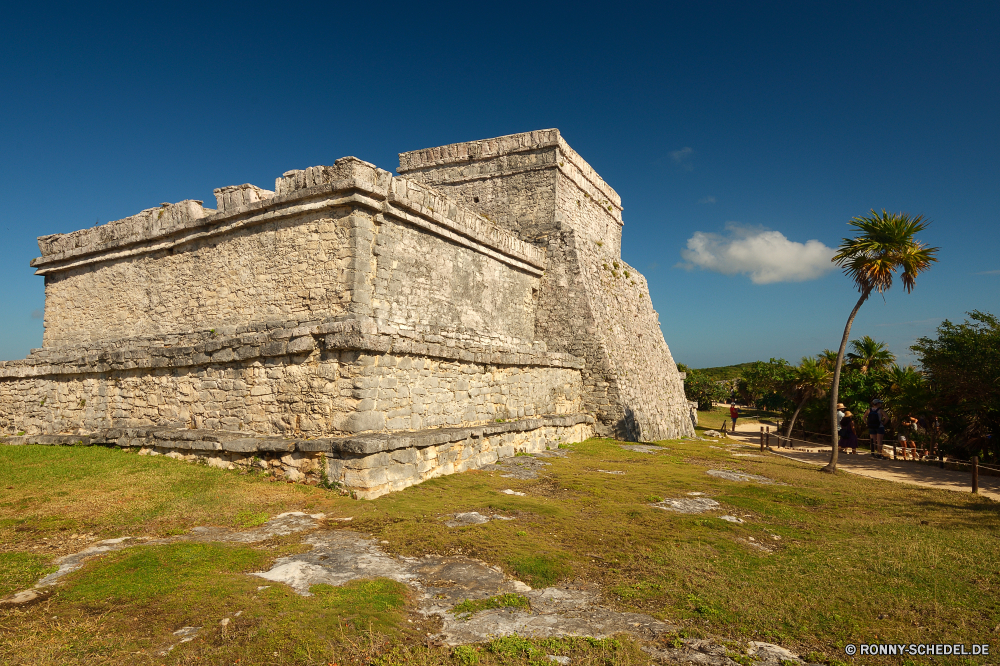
x: 765, y: 255
x: 988, y: 273
x: 683, y: 157
x: 707, y: 200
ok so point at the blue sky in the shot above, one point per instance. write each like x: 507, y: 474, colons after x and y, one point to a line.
x: 732, y: 126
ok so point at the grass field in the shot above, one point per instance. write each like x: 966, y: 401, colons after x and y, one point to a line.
x: 847, y: 560
x: 712, y: 419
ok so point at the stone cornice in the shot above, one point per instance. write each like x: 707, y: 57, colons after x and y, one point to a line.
x: 349, y: 182
x: 296, y: 340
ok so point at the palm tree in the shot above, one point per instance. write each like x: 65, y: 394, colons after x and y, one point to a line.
x: 905, y: 392
x: 827, y: 358
x: 870, y: 354
x: 810, y: 381
x: 885, y: 245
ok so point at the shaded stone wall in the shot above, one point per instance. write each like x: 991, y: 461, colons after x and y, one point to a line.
x: 590, y: 303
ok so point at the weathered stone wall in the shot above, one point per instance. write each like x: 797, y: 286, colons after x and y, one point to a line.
x: 291, y: 268
x: 590, y: 303
x: 320, y: 380
x: 423, y: 282
x: 374, y: 329
x: 369, y: 465
x: 312, y: 250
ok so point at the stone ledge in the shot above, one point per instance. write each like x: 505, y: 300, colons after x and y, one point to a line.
x: 246, y: 443
x: 293, y: 340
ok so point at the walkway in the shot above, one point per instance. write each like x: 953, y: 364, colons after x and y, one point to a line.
x: 900, y: 471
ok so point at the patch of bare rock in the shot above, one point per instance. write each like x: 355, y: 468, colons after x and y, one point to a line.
x: 687, y: 505
x: 739, y: 476
x: 472, y: 518
x: 643, y: 448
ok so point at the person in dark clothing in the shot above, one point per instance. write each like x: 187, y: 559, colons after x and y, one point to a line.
x: 849, y: 433
x: 875, y: 416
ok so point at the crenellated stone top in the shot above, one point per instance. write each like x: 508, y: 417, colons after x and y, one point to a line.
x: 348, y: 181
x: 159, y: 221
x: 565, y: 158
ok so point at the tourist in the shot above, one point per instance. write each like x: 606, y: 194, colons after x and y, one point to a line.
x: 840, y: 418
x: 734, y: 413
x: 849, y: 436
x: 875, y: 417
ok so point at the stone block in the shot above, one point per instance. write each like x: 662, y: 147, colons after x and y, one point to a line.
x: 302, y: 345
x: 408, y: 455
x: 363, y: 421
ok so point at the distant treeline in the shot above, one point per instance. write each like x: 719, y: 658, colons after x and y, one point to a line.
x: 724, y: 372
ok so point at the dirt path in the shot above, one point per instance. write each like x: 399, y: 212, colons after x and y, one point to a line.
x: 863, y: 464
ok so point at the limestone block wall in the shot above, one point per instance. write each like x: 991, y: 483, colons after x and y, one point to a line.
x: 288, y: 268
x: 423, y: 282
x: 337, y: 377
x: 315, y: 248
x: 368, y: 465
x: 590, y: 303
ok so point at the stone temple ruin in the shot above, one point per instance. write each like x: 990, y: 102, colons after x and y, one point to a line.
x: 376, y: 329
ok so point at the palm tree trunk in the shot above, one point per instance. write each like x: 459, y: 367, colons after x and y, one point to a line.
x: 791, y: 425
x: 832, y: 466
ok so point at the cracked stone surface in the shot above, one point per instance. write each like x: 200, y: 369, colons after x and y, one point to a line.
x: 519, y: 467
x: 708, y: 653
x: 643, y: 448
x: 739, y: 476
x: 472, y: 518
x: 731, y: 519
x: 444, y: 581
x: 441, y: 582
x: 688, y: 505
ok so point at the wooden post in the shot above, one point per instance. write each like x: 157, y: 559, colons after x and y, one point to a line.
x: 767, y: 437
x: 762, y: 438
x: 975, y: 474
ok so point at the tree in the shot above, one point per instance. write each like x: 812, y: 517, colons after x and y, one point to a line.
x: 886, y: 244
x: 704, y: 391
x: 761, y: 382
x: 869, y: 354
x: 811, y: 380
x: 962, y: 365
x: 827, y: 358
x: 905, y: 392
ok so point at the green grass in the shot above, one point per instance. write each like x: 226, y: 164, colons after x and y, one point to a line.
x: 470, y: 607
x: 19, y: 571
x: 541, y: 570
x: 141, y: 574
x: 856, y: 558
x: 58, y: 491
